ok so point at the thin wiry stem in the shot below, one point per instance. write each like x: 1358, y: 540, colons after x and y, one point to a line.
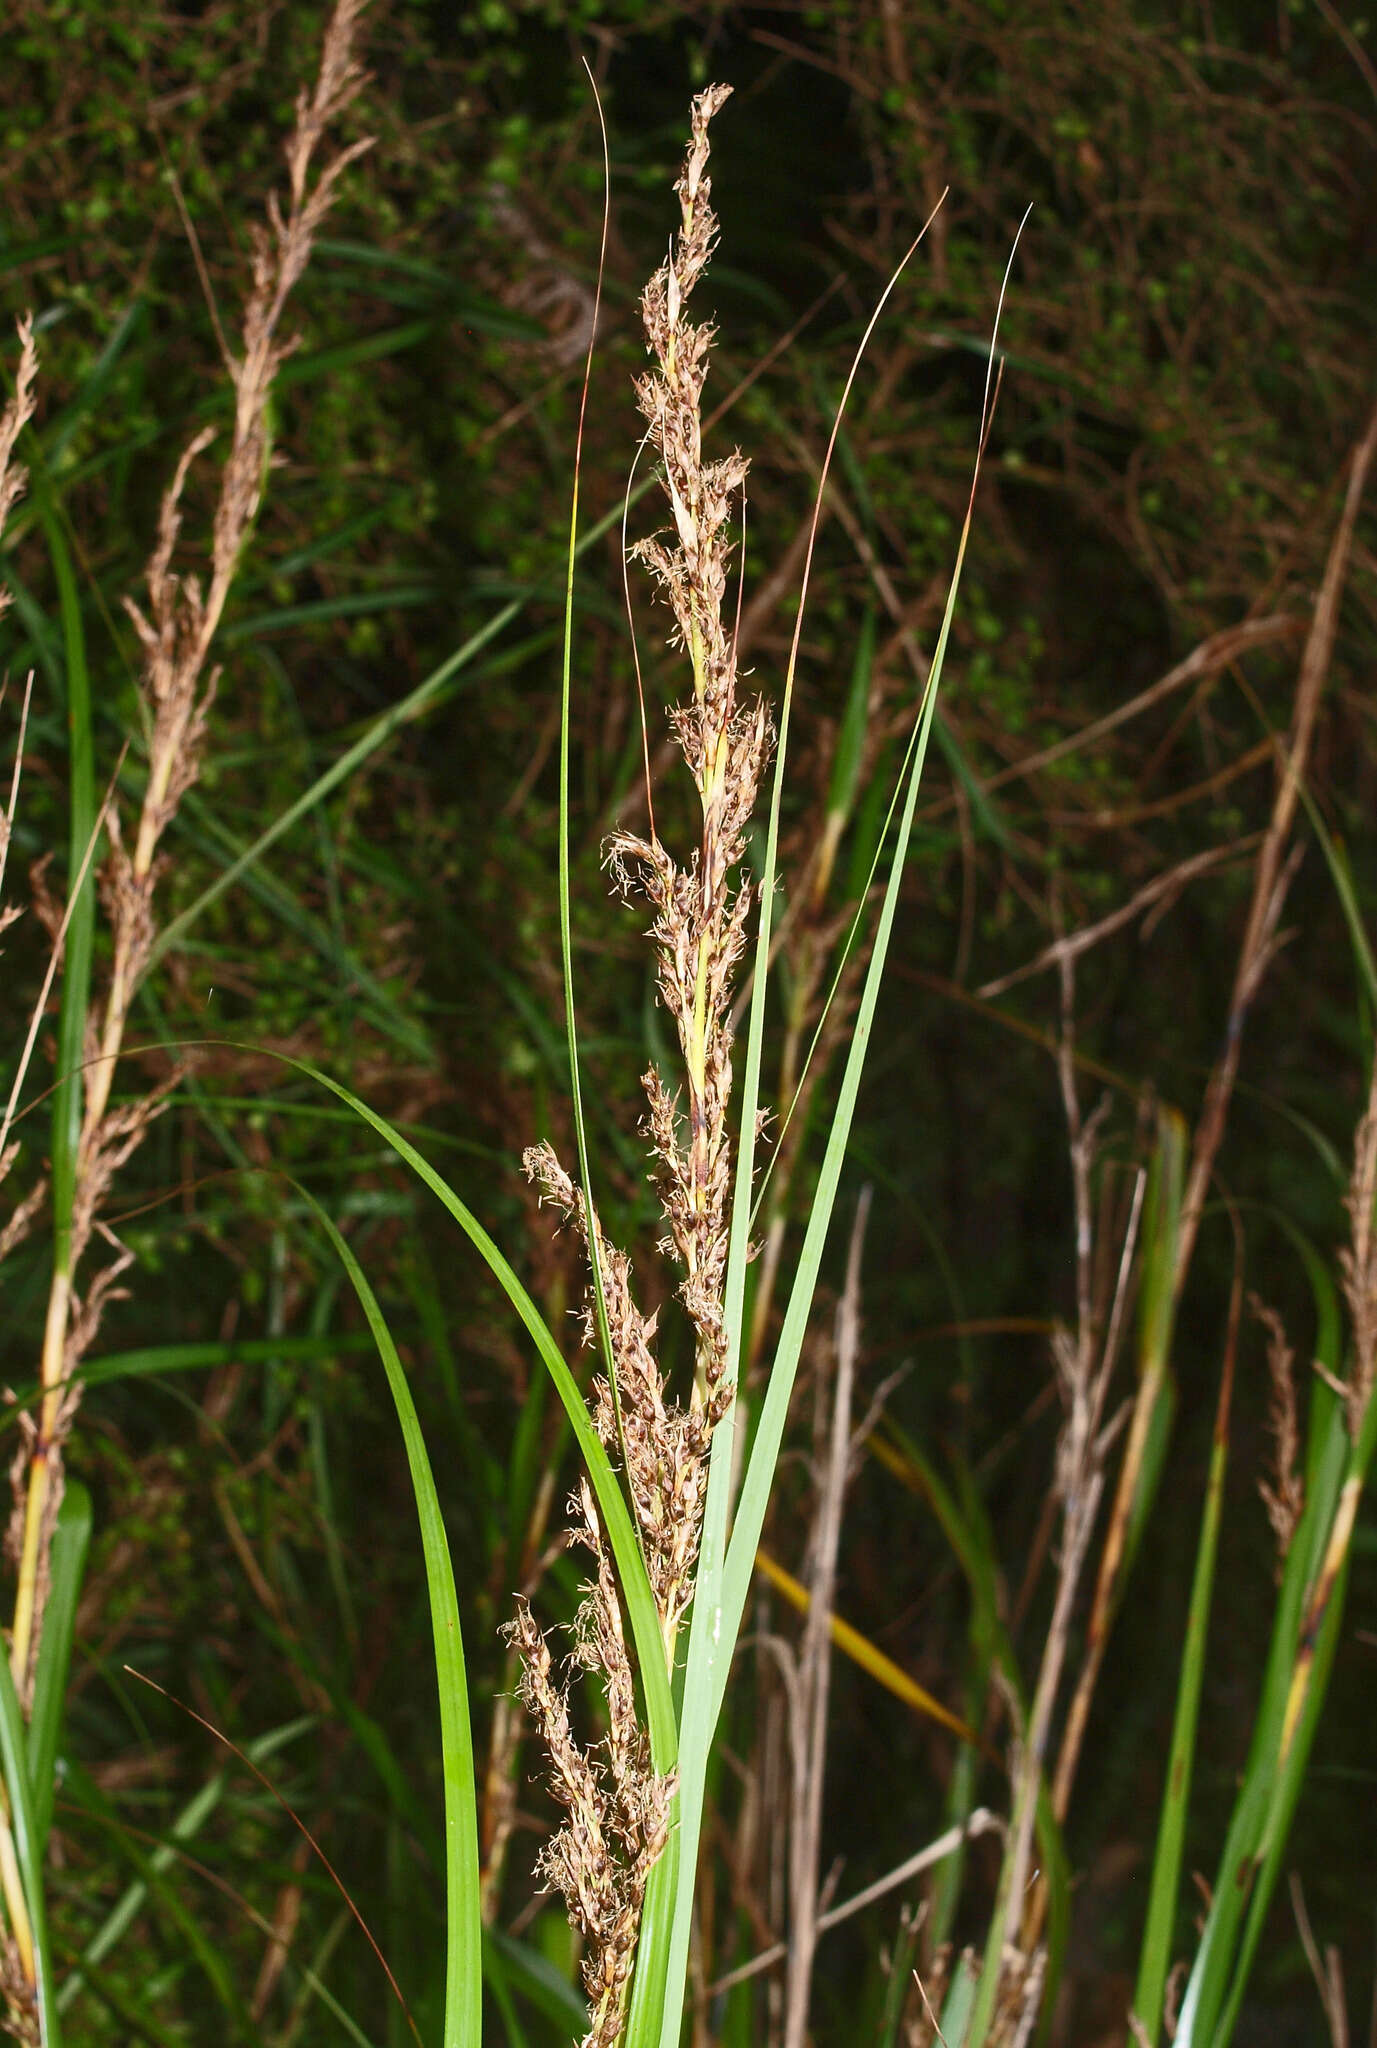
x: 815, y: 1654
x: 1273, y: 871
x: 18, y: 1962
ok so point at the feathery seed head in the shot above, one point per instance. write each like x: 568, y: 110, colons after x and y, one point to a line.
x: 617, y: 1809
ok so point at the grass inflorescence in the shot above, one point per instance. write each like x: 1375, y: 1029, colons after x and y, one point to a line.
x: 691, y: 1824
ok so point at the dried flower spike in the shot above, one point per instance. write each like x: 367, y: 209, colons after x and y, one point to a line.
x: 616, y: 1808
x: 699, y: 928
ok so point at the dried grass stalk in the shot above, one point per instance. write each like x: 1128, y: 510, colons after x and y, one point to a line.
x: 18, y: 1972
x: 1358, y: 1263
x: 176, y: 629
x: 14, y: 419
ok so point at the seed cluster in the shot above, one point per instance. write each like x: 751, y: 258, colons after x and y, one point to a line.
x: 662, y: 1443
x: 616, y: 1808
x: 700, y: 918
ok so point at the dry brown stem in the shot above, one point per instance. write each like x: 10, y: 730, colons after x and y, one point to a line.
x: 981, y: 1822
x: 815, y: 1654
x: 1274, y: 868
x: 1084, y: 1362
x: 1154, y: 897
x: 1328, y: 1971
x: 1273, y: 871
x: 1218, y: 651
x: 18, y: 1974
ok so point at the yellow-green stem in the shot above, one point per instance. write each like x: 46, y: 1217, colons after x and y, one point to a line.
x: 16, y: 1905
x: 1336, y: 1554
x: 40, y: 1476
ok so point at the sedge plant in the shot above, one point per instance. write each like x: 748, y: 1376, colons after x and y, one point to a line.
x: 671, y: 1526
x: 625, y: 1857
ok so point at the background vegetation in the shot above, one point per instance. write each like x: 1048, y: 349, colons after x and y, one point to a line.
x: 1190, y: 363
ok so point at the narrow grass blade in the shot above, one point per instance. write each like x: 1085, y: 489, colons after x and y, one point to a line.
x: 1148, y: 1434
x: 1302, y: 1644
x: 986, y: 814
x: 1155, y: 1961
x: 358, y: 604
x: 495, y: 1971
x: 344, y: 2019
x: 1307, y: 1684
x: 66, y: 1563
x: 959, y: 2005
x: 901, y: 1962
x: 434, y: 690
x: 1056, y: 1876
x: 160, y: 1358
x: 537, y: 1980
x: 68, y: 1093
x: 29, y: 1849
x: 137, y: 2025
x: 526, y: 1465
x: 365, y: 990
x: 369, y: 348
x: 844, y: 786
x: 964, y: 1524
x: 750, y: 1515
x: 195, y: 1948
x: 566, y: 941
x: 611, y: 1504
x: 867, y: 1656
x: 1341, y: 873
x: 1155, y: 1402
x: 463, y: 1954
x: 59, y: 433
